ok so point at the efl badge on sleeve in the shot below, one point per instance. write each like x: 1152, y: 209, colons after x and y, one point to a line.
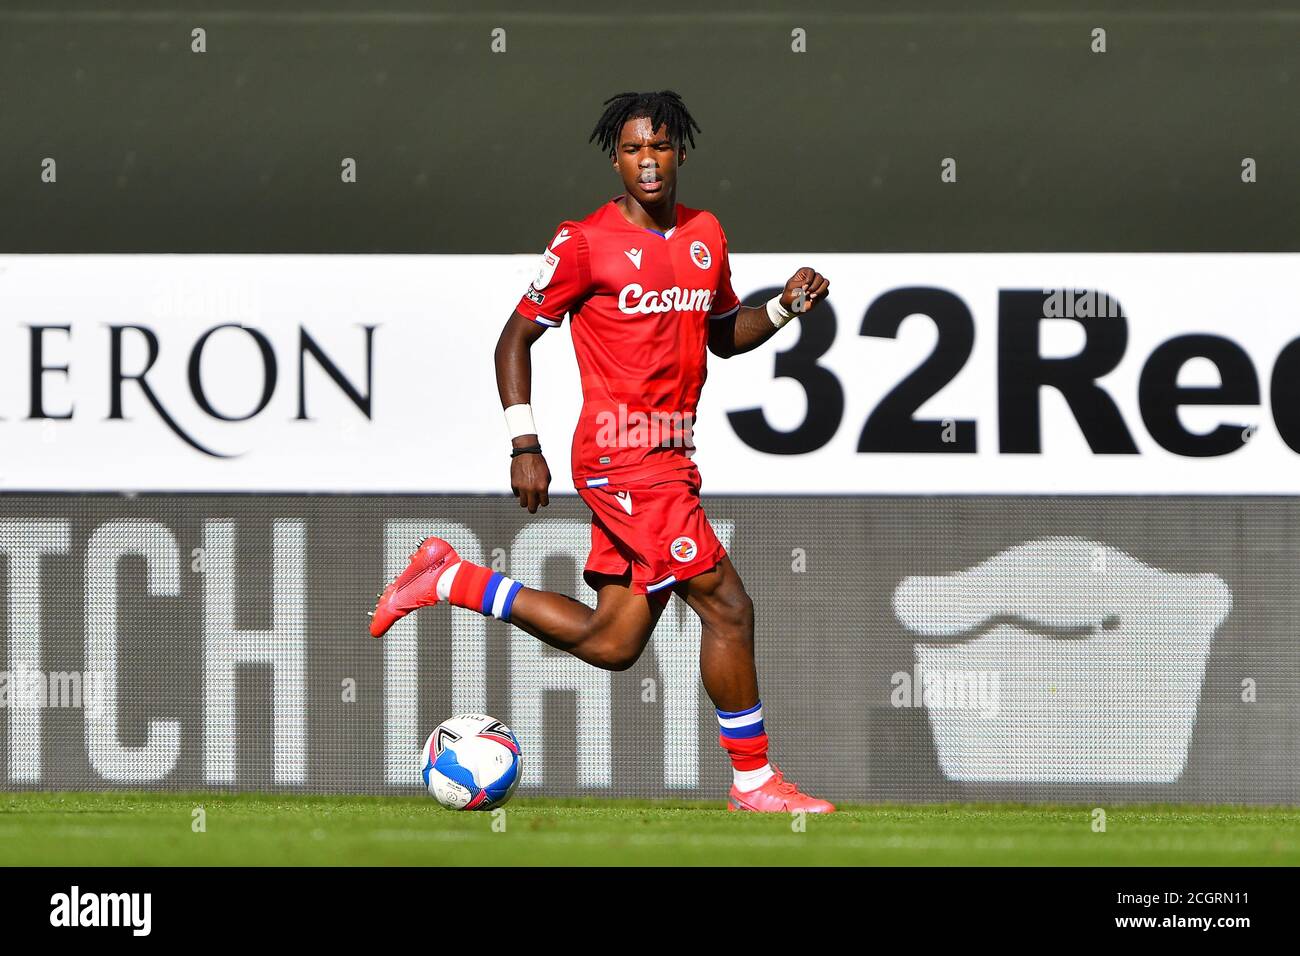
x: 547, y: 269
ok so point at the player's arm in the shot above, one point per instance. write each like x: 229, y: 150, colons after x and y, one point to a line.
x: 751, y: 327
x: 529, y: 476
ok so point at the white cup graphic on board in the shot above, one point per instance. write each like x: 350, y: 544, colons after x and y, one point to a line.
x: 1097, y: 660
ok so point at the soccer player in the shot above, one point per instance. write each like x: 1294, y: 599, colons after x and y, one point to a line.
x: 647, y: 284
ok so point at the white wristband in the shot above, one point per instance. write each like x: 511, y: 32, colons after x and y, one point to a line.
x: 519, y: 421
x: 778, y: 313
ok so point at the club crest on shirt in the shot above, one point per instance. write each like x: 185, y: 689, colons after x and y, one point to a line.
x: 546, y: 269
x: 683, y: 549
x: 700, y: 254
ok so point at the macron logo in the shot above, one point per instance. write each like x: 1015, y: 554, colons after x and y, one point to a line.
x: 635, y: 256
x: 561, y: 239
x: 75, y: 908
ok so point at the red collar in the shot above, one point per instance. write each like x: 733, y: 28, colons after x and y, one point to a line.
x: 618, y: 211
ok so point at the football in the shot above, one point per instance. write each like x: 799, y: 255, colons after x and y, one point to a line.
x: 471, y: 762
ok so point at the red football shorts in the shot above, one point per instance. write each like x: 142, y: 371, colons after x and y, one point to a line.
x: 654, y: 527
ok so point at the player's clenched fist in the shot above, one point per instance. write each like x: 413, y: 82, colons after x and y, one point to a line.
x: 529, y: 479
x: 804, y: 290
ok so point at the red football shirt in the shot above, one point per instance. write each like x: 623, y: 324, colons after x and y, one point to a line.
x: 640, y: 302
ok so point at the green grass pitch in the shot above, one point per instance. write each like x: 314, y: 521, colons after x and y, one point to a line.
x: 78, y: 829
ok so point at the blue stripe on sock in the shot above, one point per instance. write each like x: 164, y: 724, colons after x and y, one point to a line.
x: 739, y: 713
x: 515, y: 588
x: 741, y: 733
x: 490, y: 593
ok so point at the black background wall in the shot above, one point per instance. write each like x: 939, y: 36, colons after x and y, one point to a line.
x: 463, y: 150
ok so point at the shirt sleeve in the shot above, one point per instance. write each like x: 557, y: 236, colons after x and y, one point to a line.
x: 563, y: 278
x: 725, y: 302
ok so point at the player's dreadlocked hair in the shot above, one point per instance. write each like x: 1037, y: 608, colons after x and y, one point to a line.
x: 662, y: 108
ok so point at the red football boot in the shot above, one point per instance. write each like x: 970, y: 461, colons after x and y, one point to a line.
x: 776, y: 796
x: 416, y: 587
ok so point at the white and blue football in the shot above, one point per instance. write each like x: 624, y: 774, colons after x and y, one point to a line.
x: 471, y: 762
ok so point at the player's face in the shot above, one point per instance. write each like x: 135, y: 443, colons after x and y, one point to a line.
x: 647, y: 162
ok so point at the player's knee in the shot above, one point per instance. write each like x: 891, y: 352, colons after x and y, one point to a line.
x: 612, y: 650
x: 732, y: 616
x: 613, y: 655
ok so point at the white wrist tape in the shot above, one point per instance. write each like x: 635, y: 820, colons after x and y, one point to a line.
x: 519, y: 421
x: 778, y: 313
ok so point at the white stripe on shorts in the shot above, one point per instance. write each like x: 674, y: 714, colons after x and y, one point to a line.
x: 651, y: 588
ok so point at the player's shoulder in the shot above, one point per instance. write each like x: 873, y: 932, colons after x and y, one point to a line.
x: 605, y: 216
x: 583, y: 230
x: 702, y: 219
x: 601, y: 215
x: 569, y: 229
x: 606, y: 219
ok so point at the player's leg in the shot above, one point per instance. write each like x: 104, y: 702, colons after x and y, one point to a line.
x: 730, y: 677
x: 660, y: 528
x: 726, y: 636
x: 611, y: 636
